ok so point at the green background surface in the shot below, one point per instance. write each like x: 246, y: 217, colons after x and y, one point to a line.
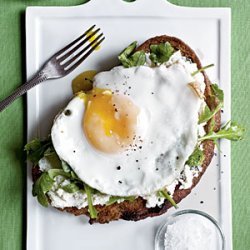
x: 13, y: 125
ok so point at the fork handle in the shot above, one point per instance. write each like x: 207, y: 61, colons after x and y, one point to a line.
x: 38, y: 78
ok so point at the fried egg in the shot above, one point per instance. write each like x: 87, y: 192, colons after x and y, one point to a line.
x: 133, y: 132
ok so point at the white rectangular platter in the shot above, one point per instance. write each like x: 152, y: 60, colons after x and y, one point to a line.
x: 206, y: 30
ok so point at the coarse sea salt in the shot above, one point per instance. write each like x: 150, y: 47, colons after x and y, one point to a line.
x: 191, y: 232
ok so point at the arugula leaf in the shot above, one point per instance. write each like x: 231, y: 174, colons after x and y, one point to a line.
x: 114, y: 199
x: 160, y: 53
x: 55, y: 172
x: 129, y: 50
x: 91, y: 208
x: 196, y: 158
x: 53, y: 159
x: 35, y: 149
x: 218, y: 96
x: 67, y: 169
x: 71, y: 188
x: 218, y: 92
x: 164, y: 194
x: 231, y: 131
x: 42, y: 185
x: 212, y: 124
x: 205, y: 115
x: 46, y: 183
x: 137, y: 59
x: 202, y: 69
x: 130, y: 59
x: 73, y: 175
x: 65, y: 166
x: 42, y: 198
x: 50, y: 151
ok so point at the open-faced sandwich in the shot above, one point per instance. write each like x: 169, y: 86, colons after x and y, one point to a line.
x: 138, y: 141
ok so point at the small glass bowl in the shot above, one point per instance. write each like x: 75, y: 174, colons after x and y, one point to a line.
x: 160, y: 235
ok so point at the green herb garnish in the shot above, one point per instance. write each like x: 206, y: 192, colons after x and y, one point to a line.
x: 217, y: 96
x: 55, y: 172
x: 129, y: 59
x: 196, y: 158
x: 202, y: 69
x: 164, y: 194
x: 53, y: 159
x: 65, y: 166
x: 91, y: 208
x: 114, y: 199
x: 36, y: 148
x: 160, y: 53
x: 42, y: 185
x: 231, y: 131
x: 70, y: 188
x: 217, y: 92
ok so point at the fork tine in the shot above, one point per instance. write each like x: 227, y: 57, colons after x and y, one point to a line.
x: 84, y: 57
x: 62, y: 58
x: 74, y: 42
x: 70, y: 61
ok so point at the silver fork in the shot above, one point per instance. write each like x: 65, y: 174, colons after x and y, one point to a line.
x: 61, y: 63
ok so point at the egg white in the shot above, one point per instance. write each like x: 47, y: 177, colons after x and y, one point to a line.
x: 168, y: 125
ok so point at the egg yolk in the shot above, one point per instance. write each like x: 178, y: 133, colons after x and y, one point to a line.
x: 110, y: 121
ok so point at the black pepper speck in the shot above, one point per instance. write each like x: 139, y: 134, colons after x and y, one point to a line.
x: 67, y: 112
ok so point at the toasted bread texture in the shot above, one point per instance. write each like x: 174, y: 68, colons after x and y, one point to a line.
x: 137, y: 210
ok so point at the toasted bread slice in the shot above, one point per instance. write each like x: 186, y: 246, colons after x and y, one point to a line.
x: 137, y: 209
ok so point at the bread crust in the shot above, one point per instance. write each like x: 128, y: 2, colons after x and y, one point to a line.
x: 137, y: 209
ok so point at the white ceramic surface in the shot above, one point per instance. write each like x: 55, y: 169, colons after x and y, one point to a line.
x: 206, y: 30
